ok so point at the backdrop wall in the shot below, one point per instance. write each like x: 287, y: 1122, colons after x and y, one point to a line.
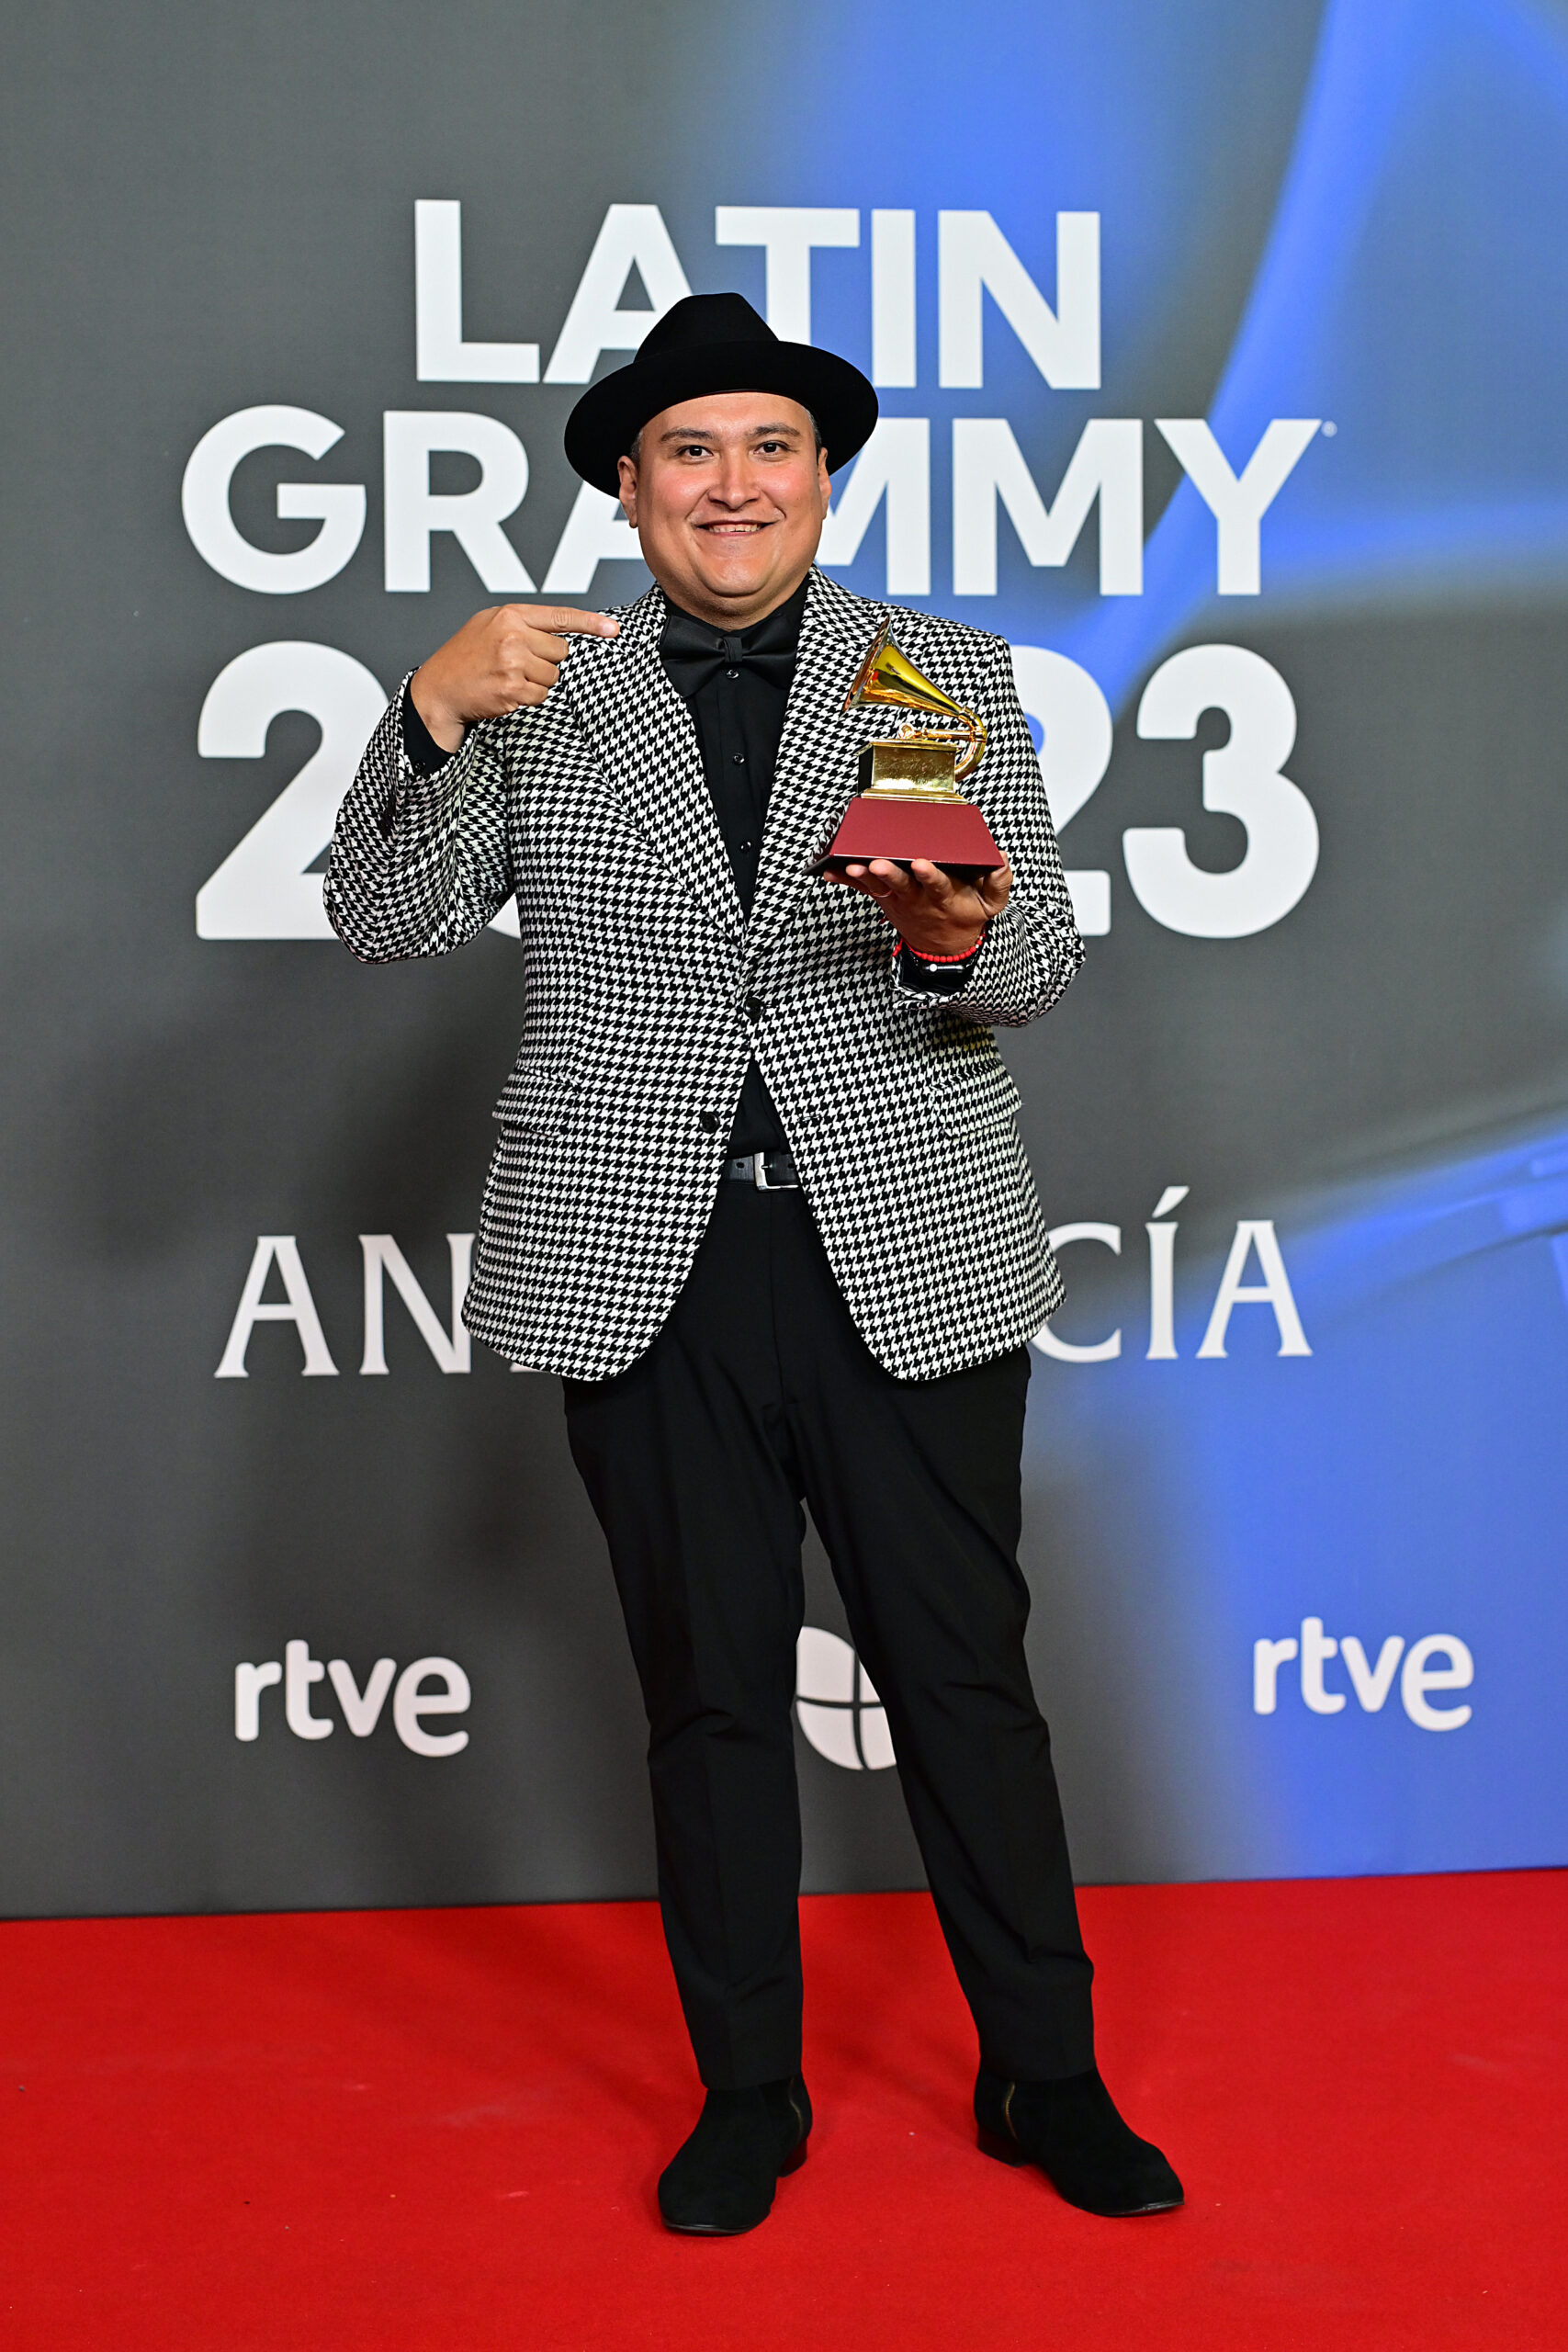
x: 1220, y: 351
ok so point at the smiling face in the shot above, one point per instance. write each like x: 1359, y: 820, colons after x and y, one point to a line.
x: 727, y: 495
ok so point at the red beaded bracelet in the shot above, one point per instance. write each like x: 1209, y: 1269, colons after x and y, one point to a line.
x: 922, y: 956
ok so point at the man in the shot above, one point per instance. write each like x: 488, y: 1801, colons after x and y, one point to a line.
x: 760, y: 1199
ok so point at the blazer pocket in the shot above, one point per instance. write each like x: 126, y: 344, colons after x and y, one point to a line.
x: 538, y: 1100
x: 975, y: 1095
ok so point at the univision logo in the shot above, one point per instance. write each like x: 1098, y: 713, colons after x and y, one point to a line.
x: 836, y: 1701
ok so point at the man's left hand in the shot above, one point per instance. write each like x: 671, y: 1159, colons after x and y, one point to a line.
x: 934, y: 913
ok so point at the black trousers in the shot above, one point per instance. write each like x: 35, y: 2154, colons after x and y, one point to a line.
x: 759, y: 1392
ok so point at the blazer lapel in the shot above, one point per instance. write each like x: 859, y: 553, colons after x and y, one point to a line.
x: 643, y: 736
x: 814, y: 779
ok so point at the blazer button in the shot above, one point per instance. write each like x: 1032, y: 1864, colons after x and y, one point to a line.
x: 708, y: 1122
x: 753, y: 1008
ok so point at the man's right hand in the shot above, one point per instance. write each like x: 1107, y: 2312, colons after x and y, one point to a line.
x: 503, y: 660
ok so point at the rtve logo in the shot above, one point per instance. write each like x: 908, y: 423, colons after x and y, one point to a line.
x: 362, y: 1710
x: 1370, y: 1683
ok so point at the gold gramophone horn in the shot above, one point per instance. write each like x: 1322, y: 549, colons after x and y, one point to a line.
x: 888, y: 677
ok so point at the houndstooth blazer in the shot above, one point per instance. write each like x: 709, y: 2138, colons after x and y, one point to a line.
x: 646, y: 991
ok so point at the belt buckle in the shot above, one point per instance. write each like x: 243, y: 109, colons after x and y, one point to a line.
x: 759, y: 1175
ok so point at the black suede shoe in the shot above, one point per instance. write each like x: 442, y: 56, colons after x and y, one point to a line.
x: 1071, y: 2130
x: 722, y: 2181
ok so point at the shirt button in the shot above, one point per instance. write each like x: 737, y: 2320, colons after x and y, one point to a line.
x: 708, y: 1122
x: 753, y: 1008
x: 747, y: 845
x: 738, y: 758
x: 732, y: 673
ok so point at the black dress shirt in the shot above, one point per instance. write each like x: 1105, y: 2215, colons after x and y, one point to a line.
x: 737, y: 688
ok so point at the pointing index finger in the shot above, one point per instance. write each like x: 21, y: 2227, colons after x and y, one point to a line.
x: 569, y: 622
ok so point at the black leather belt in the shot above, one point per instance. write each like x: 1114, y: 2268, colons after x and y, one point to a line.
x: 770, y: 1172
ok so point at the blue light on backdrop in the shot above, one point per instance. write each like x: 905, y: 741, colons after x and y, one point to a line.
x: 1410, y: 288
x: 1439, y: 361
x: 1410, y: 1479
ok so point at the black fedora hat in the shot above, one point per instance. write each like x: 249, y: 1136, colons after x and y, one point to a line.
x: 716, y: 343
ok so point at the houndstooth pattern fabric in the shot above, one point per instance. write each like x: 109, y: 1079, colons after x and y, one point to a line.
x: 637, y: 969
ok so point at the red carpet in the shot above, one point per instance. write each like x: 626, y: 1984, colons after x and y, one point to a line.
x: 439, y: 2132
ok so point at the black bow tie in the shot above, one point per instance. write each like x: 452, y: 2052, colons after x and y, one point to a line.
x: 694, y: 653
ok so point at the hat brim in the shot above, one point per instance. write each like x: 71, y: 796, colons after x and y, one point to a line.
x: 611, y: 413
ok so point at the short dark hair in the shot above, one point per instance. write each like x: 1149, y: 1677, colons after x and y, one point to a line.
x: 635, y: 452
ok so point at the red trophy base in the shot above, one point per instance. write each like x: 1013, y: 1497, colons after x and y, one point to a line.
x: 951, y: 834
